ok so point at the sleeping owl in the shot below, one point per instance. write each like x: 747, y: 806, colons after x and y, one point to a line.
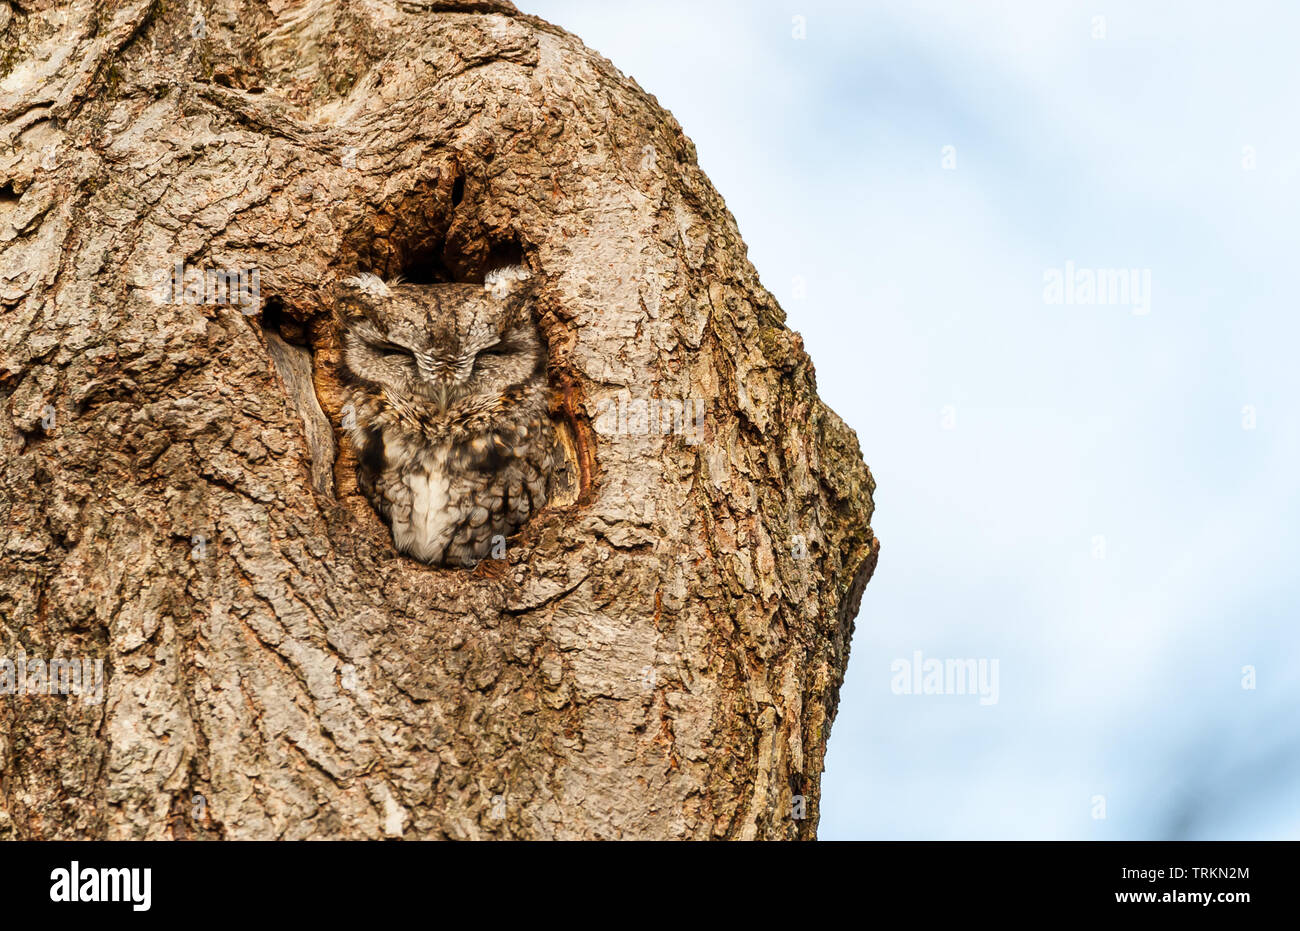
x: 448, y: 410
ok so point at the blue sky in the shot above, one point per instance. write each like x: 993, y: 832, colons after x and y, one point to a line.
x: 1014, y: 441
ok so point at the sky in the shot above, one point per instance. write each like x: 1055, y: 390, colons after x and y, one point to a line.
x: 1095, y: 498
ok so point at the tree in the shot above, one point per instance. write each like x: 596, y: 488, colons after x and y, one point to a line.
x: 658, y: 655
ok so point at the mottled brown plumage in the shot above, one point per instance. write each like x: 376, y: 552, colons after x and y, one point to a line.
x: 447, y: 410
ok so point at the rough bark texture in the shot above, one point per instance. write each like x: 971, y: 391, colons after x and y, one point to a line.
x: 658, y: 657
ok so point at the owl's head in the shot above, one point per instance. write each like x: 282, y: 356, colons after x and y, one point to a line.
x: 453, y: 348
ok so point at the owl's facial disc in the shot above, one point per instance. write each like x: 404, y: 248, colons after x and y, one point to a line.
x: 453, y: 350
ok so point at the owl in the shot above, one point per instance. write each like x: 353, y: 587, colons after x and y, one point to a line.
x: 447, y: 410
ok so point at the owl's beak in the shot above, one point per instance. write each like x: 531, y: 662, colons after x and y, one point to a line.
x: 439, y: 387
x: 442, y: 395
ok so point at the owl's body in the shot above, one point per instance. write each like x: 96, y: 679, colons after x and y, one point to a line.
x: 448, y: 400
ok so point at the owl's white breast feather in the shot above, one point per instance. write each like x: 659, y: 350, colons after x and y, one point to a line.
x: 430, y: 527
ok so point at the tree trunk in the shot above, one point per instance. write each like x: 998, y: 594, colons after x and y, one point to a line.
x: 657, y: 655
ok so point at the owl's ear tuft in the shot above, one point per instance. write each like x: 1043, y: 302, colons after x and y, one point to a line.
x: 359, y: 296
x: 504, y: 280
x: 366, y: 284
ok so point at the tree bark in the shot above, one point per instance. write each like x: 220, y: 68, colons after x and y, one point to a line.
x: 657, y: 655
